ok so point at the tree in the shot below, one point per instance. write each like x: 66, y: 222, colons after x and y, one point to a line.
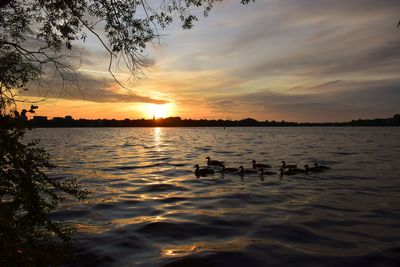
x: 40, y: 30
x: 28, y: 195
x: 35, y: 35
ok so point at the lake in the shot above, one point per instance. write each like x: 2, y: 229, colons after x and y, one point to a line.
x: 147, y: 208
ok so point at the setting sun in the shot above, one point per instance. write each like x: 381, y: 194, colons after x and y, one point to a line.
x: 159, y: 110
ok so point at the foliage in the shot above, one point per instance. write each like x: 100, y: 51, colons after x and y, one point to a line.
x: 39, y: 30
x: 27, y: 194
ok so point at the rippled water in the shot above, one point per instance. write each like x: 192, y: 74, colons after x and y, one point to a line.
x: 148, y: 209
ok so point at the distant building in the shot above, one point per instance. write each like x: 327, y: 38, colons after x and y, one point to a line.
x: 39, y: 118
x: 68, y: 117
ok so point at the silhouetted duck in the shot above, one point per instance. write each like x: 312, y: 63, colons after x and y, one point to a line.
x: 214, y: 162
x: 243, y: 171
x: 299, y: 170
x: 229, y: 169
x: 259, y: 165
x: 288, y: 166
x: 321, y: 167
x: 266, y: 172
x: 311, y: 169
x: 285, y: 172
x: 202, y: 172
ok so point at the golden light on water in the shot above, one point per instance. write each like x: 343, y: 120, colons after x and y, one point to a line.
x: 186, y: 250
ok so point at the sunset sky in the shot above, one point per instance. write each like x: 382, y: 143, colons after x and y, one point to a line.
x: 295, y: 60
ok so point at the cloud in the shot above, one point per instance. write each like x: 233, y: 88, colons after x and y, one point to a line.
x: 316, y: 38
x: 355, y: 99
x: 291, y: 59
x: 87, y: 87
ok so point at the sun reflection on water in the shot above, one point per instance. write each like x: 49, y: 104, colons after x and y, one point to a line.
x: 158, y: 138
x: 138, y: 219
x: 186, y: 250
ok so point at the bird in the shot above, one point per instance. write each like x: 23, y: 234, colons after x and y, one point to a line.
x: 214, y: 162
x: 229, y: 169
x: 262, y: 172
x: 288, y: 166
x: 202, y: 172
x: 321, y: 167
x: 243, y: 171
x: 286, y: 172
x: 311, y: 169
x: 298, y: 170
x: 259, y: 165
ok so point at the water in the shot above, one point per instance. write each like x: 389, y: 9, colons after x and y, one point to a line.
x: 148, y: 209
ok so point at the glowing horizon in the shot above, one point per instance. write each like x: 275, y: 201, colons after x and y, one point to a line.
x: 283, y: 60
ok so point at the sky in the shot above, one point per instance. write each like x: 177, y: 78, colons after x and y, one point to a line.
x: 293, y: 60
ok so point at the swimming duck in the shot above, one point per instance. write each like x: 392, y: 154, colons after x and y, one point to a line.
x: 266, y: 172
x: 321, y: 167
x: 202, y: 172
x: 214, y: 162
x: 259, y: 165
x: 243, y: 171
x: 286, y: 172
x: 229, y: 169
x: 288, y: 166
x: 299, y: 170
x: 311, y: 169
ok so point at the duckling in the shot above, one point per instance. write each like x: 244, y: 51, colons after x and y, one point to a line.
x: 214, y: 162
x: 259, y: 165
x: 228, y: 169
x: 262, y: 172
x: 321, y: 167
x: 243, y: 171
x: 288, y: 166
x: 202, y: 172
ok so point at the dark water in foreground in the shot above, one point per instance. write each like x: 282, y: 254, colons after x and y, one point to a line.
x: 148, y: 209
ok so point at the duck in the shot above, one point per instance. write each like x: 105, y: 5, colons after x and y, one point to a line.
x: 286, y: 172
x: 259, y: 165
x: 288, y: 166
x: 214, y: 162
x: 229, y: 169
x: 243, y: 171
x: 321, y: 167
x: 202, y: 172
x: 311, y: 169
x: 262, y: 172
x: 298, y: 170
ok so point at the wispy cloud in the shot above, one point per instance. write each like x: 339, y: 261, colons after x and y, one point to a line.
x: 88, y: 87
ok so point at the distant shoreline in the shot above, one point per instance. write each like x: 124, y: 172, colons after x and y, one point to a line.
x: 300, y: 126
x: 69, y: 122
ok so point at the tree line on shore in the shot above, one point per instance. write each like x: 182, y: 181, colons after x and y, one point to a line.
x: 68, y: 121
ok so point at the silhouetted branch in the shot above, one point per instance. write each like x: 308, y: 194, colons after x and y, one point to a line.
x: 4, y: 2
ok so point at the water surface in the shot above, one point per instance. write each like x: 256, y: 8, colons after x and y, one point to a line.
x: 148, y: 209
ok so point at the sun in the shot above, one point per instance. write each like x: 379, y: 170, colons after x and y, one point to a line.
x: 158, y: 111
